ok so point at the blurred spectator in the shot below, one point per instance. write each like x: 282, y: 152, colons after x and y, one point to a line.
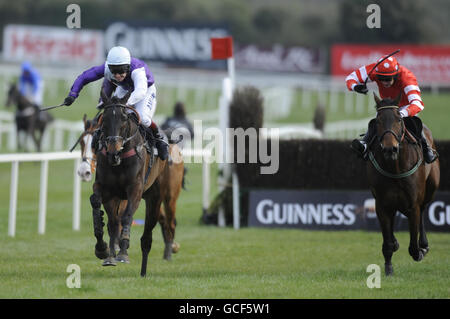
x: 31, y: 84
x: 178, y: 122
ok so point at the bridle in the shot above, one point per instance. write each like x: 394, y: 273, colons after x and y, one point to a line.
x: 399, y: 140
x: 402, y: 132
x: 114, y: 138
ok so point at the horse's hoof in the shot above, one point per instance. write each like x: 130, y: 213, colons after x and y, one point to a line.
x: 168, y: 252
x: 396, y: 246
x: 124, y: 259
x: 419, y: 256
x: 388, y: 270
x: 101, y: 251
x: 175, y: 247
x: 109, y: 262
x: 425, y: 250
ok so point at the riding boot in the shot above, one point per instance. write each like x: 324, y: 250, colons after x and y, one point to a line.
x: 429, y: 154
x: 161, y: 145
x: 361, y: 146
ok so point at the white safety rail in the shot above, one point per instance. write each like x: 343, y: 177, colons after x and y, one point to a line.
x: 44, y: 158
x: 197, y: 156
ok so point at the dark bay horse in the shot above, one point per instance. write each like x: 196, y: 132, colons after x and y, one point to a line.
x: 125, y: 171
x: 171, y: 181
x: 28, y: 117
x: 400, y: 180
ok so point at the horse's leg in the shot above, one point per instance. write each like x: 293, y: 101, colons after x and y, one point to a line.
x: 385, y: 217
x: 171, y: 246
x: 152, y: 208
x: 423, y: 240
x: 111, y: 208
x: 101, y: 248
x: 414, y: 225
x: 134, y: 195
x: 396, y: 244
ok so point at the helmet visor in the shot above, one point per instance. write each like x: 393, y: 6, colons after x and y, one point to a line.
x: 385, y: 78
x: 119, y: 69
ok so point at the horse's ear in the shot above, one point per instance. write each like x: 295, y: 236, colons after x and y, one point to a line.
x: 104, y: 97
x: 124, y: 99
x: 377, y: 100
x: 397, y: 99
x: 84, y: 118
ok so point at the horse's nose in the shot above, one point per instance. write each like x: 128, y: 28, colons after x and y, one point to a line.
x: 391, y: 152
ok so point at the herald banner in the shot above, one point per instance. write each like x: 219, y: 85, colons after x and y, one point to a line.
x: 430, y: 63
x: 52, y: 45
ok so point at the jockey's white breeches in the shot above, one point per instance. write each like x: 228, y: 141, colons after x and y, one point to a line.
x: 37, y: 96
x: 145, y: 107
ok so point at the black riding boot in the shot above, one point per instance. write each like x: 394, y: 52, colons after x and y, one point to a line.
x: 161, y: 145
x: 361, y: 147
x: 429, y: 154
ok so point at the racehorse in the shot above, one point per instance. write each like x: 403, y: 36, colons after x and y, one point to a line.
x: 171, y: 181
x: 125, y: 171
x: 28, y: 117
x: 399, y: 178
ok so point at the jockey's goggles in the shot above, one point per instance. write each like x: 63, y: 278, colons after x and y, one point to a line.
x: 385, y: 78
x: 119, y: 69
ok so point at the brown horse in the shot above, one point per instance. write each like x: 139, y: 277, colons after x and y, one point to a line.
x: 28, y: 117
x: 171, y: 181
x: 125, y: 171
x: 399, y: 179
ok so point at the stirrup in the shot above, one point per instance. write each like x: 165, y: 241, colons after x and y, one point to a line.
x: 358, y: 147
x: 430, y: 155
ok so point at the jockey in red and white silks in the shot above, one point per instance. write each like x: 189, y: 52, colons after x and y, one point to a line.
x: 392, y: 80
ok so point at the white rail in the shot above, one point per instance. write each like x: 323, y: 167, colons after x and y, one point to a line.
x: 44, y: 158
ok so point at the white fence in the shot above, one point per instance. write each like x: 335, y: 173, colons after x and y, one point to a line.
x: 44, y: 158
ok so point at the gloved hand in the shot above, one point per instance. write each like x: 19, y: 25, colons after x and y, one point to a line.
x: 361, y: 88
x: 404, y: 113
x: 69, y: 100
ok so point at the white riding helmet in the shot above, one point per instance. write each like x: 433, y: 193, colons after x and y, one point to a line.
x: 118, y: 56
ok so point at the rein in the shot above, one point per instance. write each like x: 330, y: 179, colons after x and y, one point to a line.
x: 399, y: 175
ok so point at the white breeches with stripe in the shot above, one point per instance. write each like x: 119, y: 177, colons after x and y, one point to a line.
x: 145, y: 107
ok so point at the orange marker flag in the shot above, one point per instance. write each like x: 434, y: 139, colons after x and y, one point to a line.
x: 221, y: 48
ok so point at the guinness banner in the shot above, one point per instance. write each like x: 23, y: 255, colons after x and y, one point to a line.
x: 334, y: 210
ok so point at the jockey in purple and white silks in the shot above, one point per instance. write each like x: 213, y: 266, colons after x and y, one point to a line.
x: 124, y: 73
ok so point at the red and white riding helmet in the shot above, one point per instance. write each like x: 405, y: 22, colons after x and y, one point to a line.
x: 388, y: 67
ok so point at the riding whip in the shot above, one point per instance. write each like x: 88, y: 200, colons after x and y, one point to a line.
x: 379, y: 62
x: 51, y: 107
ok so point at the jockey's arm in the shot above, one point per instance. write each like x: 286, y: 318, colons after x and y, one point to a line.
x: 93, y: 74
x: 140, y: 86
x: 358, y: 77
x: 412, y: 92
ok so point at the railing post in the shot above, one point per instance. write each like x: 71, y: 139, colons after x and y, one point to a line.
x: 43, y: 197
x: 13, y: 199
x: 206, y: 184
x: 76, y: 197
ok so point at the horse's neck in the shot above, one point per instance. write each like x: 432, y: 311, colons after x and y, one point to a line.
x: 22, y: 102
x: 133, y: 129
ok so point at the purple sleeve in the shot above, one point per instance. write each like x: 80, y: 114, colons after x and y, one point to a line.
x: 93, y: 74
